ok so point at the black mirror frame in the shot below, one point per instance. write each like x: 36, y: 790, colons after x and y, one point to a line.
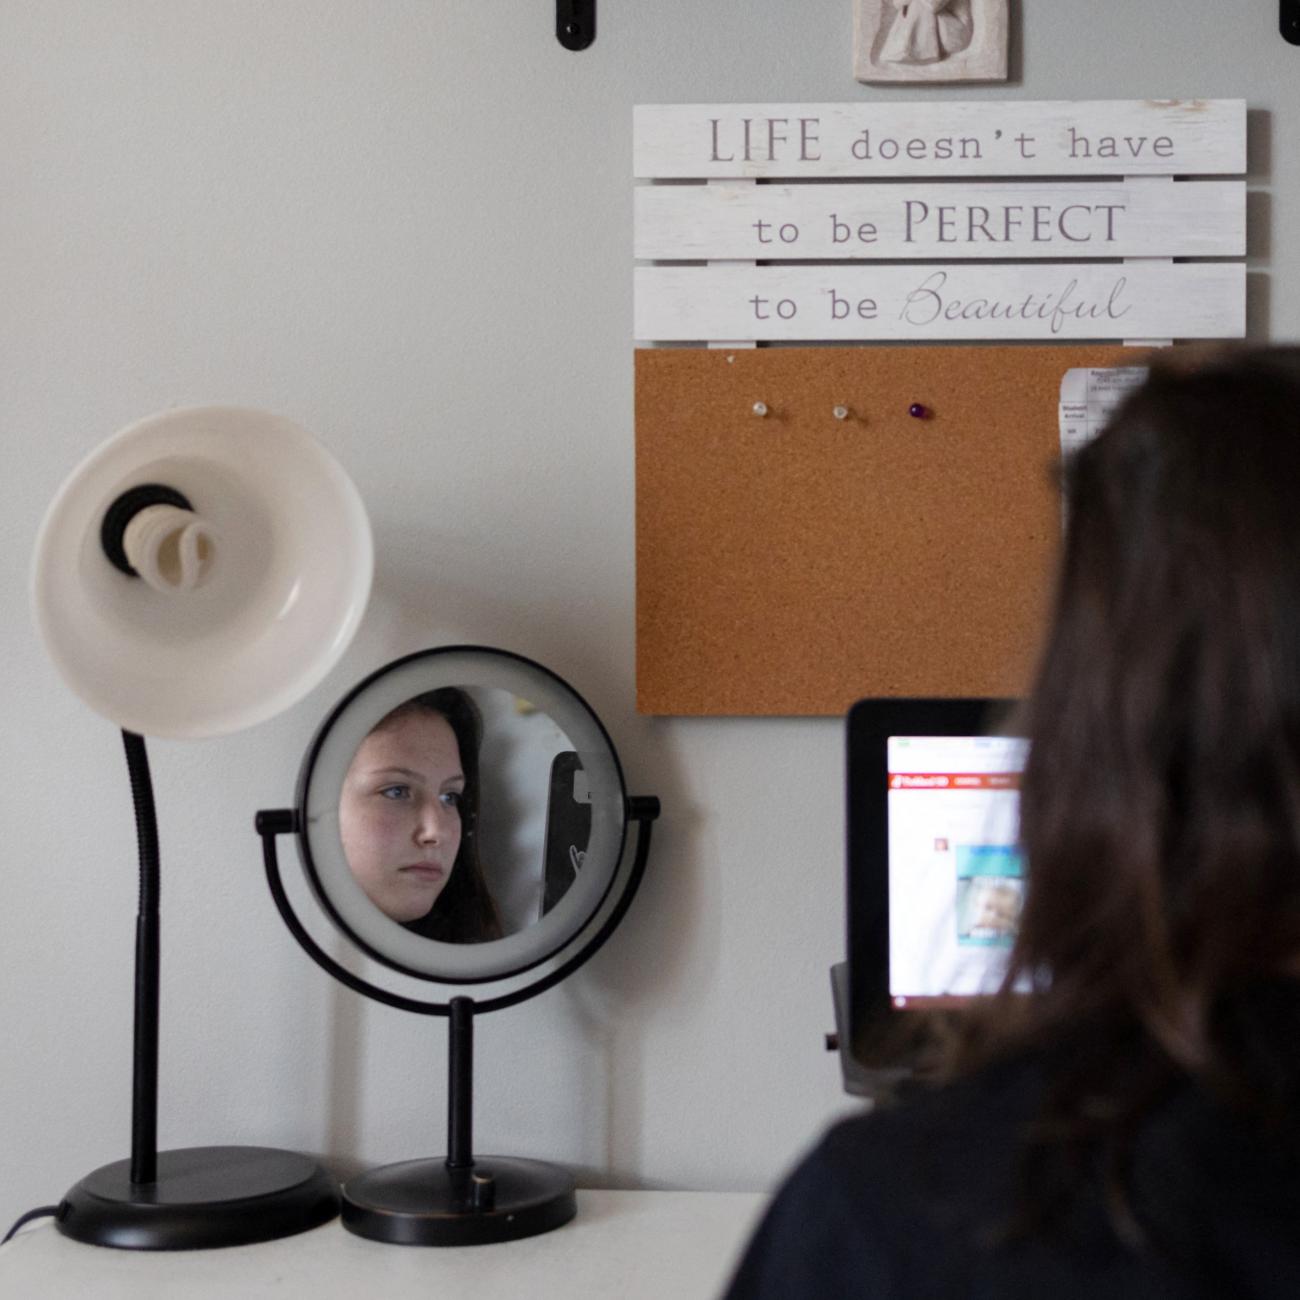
x: 272, y: 823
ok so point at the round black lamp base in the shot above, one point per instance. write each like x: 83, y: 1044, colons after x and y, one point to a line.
x: 203, y: 1197
x: 423, y: 1203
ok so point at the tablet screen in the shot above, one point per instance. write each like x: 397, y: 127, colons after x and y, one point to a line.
x: 934, y: 881
x: 955, y: 877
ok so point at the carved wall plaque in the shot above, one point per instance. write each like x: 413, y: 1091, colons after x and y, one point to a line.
x: 930, y: 40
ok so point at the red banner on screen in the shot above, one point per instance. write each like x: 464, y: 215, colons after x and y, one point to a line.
x: 954, y: 780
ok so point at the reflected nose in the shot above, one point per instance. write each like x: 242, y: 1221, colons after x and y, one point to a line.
x: 432, y: 826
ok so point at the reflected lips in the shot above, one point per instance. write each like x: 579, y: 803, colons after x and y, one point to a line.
x: 424, y: 870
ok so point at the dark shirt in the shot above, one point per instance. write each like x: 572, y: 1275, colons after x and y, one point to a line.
x: 917, y: 1202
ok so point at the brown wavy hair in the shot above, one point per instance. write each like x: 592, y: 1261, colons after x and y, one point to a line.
x: 465, y: 911
x: 1160, y: 807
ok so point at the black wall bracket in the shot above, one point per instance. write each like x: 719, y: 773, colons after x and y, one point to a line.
x: 575, y: 23
x: 1289, y: 21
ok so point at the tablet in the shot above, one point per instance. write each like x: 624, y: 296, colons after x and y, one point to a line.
x: 935, y: 877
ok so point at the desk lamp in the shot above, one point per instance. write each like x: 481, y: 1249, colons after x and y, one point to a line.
x: 198, y: 573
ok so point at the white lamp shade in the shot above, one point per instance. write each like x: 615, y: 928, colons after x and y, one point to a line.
x: 284, y: 588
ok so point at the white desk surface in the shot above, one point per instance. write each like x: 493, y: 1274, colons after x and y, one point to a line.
x: 621, y: 1246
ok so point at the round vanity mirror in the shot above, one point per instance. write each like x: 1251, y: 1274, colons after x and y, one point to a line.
x: 461, y: 815
x: 461, y: 818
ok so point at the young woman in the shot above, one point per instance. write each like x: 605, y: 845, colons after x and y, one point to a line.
x: 408, y: 816
x: 1130, y: 1126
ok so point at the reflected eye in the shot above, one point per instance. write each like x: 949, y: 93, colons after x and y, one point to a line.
x: 395, y: 792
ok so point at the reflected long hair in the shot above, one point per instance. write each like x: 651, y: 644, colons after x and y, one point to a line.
x: 1160, y: 807
x: 465, y: 911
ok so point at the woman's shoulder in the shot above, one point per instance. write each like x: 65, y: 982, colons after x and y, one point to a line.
x: 891, y: 1202
x: 946, y: 1153
x: 1004, y: 1091
x: 928, y: 1198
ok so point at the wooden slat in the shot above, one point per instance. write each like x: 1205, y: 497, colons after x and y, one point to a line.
x: 960, y: 301
x: 929, y: 221
x: 941, y: 139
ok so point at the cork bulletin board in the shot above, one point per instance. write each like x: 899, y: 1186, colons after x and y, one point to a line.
x: 794, y: 562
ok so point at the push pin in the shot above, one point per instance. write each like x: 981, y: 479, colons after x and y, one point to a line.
x: 918, y: 412
x: 760, y: 408
x: 841, y: 412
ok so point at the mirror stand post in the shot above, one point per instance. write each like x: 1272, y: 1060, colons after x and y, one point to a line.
x: 459, y: 1200
x: 460, y: 1084
x: 474, y: 1189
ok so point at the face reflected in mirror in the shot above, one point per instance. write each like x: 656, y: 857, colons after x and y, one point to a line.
x: 408, y: 819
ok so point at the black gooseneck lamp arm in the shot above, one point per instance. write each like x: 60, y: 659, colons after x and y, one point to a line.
x: 144, y: 1076
x: 144, y: 1079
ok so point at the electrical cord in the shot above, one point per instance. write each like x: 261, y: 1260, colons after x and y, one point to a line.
x: 38, y: 1213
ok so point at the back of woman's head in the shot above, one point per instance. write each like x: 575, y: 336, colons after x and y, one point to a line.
x: 1161, y: 802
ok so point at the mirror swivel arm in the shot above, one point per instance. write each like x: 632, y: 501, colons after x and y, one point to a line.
x: 644, y: 810
x: 460, y: 1010
x: 283, y: 821
x: 464, y: 1201
x: 269, y: 823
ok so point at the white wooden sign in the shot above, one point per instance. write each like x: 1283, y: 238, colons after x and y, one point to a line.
x: 967, y: 302
x: 1185, y: 137
x: 994, y: 257
x: 774, y: 222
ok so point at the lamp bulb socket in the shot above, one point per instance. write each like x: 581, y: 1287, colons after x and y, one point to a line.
x: 152, y: 532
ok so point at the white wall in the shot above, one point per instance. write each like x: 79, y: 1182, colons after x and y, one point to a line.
x: 407, y: 226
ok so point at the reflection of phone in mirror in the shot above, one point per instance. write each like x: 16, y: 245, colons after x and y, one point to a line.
x: 568, y: 826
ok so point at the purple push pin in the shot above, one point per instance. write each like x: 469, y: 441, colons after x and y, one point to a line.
x: 918, y: 412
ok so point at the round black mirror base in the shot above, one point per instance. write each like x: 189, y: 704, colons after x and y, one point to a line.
x: 424, y: 1203
x: 202, y: 1197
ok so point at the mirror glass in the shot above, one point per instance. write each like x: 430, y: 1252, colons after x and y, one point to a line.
x: 462, y: 814
x: 465, y: 814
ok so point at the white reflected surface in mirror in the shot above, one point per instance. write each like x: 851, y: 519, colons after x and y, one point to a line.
x: 532, y: 835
